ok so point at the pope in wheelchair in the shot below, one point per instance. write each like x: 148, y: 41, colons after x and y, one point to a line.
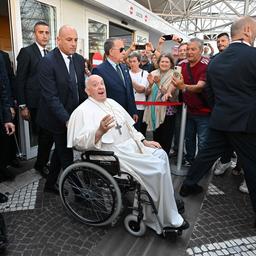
x: 101, y: 124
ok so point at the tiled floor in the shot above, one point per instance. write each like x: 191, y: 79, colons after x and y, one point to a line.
x: 22, y: 199
x: 225, y: 223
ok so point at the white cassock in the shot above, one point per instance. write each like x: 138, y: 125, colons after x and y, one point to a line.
x: 149, y: 166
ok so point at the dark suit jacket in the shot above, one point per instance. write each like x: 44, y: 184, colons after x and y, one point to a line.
x: 28, y: 88
x: 5, y: 114
x: 57, y: 101
x: 10, y: 77
x: 114, y: 85
x: 231, y: 80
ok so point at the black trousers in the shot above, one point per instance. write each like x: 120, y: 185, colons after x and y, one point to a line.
x: 45, y: 141
x: 62, y: 157
x: 140, y: 125
x: 164, y: 133
x: 219, y: 142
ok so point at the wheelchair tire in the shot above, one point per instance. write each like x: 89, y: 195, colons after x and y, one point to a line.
x: 90, y: 194
x: 133, y: 226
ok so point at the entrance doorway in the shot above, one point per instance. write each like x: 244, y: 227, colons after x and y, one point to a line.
x: 5, y: 29
x: 121, y: 32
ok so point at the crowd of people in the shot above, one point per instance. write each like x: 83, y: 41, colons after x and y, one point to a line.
x: 219, y: 91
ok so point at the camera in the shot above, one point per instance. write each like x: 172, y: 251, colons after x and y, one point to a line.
x: 140, y: 47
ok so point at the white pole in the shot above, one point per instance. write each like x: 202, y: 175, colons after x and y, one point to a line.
x: 182, y: 135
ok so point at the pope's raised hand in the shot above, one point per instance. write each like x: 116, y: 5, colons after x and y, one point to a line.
x: 106, y: 123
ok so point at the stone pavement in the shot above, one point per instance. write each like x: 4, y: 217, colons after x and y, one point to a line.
x: 225, y: 223
x: 38, y: 225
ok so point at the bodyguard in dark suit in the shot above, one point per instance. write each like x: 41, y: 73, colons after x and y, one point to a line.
x: 29, y: 90
x: 61, y: 78
x: 7, y: 128
x: 231, y: 82
x: 116, y: 76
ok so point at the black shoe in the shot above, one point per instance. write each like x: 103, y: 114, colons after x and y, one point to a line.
x: 185, y: 225
x: 3, y: 198
x: 52, y: 190
x: 190, y: 190
x: 43, y: 171
x: 6, y: 175
x: 15, y: 163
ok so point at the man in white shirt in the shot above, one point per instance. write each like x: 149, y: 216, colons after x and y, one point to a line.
x: 100, y: 123
x: 139, y: 83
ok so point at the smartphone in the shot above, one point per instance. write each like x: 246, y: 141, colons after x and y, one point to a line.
x: 140, y: 46
x: 167, y: 37
x: 177, y: 71
x: 206, y: 44
x: 170, y: 37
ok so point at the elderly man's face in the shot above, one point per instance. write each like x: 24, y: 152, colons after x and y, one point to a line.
x: 194, y: 52
x: 96, y: 88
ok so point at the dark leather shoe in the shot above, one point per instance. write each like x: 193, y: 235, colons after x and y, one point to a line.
x: 6, y: 175
x: 43, y: 171
x: 185, y: 225
x: 190, y: 190
x: 52, y: 190
x: 15, y: 163
x: 3, y: 198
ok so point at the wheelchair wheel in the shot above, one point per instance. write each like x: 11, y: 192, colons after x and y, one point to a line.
x: 90, y: 194
x: 134, y: 227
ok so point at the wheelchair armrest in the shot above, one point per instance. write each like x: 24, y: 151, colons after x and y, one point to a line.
x: 86, y: 155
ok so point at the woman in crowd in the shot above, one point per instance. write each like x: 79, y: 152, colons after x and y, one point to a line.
x: 161, y: 119
x: 139, y: 83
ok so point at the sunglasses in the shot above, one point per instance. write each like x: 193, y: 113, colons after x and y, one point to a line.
x: 120, y: 49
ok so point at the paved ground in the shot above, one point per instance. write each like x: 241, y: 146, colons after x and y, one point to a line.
x: 225, y: 223
x: 38, y: 225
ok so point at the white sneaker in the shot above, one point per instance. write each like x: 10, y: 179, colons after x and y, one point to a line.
x: 243, y: 187
x: 221, y: 168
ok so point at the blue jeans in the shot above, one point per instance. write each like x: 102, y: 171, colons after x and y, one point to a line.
x: 196, y: 128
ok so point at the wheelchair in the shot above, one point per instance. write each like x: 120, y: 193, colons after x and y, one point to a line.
x: 94, y: 191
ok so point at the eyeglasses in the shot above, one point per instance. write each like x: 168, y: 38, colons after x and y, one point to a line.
x: 120, y: 49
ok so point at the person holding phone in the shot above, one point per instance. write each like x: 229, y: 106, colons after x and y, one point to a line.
x: 161, y: 119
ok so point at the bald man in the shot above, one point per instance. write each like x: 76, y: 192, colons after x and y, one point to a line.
x: 231, y: 79
x: 61, y: 78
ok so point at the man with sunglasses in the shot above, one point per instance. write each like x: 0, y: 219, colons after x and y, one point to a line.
x: 116, y: 76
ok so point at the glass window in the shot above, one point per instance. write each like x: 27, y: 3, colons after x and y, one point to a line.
x: 32, y: 11
x: 97, y: 37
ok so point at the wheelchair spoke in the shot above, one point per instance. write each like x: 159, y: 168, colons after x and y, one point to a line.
x: 90, y: 195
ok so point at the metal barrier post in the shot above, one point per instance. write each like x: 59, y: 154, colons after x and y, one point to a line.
x: 181, y: 171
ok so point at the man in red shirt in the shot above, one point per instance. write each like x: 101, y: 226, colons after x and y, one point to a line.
x: 192, y: 84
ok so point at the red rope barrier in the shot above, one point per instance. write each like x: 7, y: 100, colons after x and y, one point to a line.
x: 166, y: 103
x: 158, y: 103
